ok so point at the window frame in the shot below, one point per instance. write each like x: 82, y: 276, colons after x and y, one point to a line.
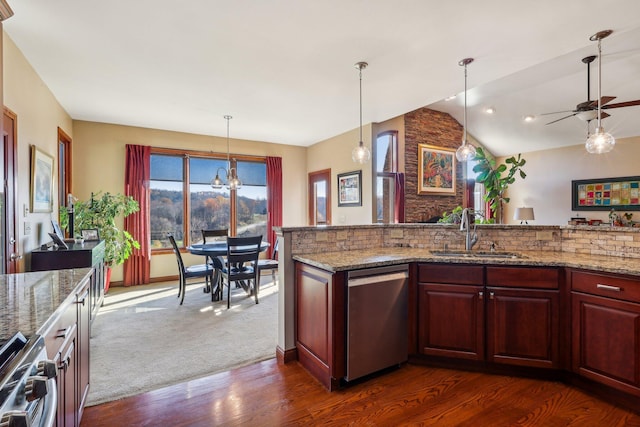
x: 394, y: 135
x: 186, y: 202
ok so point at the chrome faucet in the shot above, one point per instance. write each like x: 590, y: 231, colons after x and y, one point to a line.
x: 465, y: 225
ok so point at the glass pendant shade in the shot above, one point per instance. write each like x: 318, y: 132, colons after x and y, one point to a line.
x: 361, y: 154
x: 465, y: 152
x: 600, y: 142
x: 216, y: 182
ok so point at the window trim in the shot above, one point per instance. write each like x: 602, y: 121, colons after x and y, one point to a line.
x: 394, y: 134
x: 186, y: 202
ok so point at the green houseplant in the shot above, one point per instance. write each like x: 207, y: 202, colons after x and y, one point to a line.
x: 100, y: 212
x: 495, y: 183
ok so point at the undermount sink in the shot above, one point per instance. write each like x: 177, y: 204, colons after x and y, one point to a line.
x: 477, y: 254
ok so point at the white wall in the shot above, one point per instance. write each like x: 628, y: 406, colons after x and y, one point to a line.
x: 547, y: 187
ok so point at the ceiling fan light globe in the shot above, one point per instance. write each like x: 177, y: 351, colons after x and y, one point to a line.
x: 361, y: 154
x: 600, y: 142
x: 465, y: 152
x: 586, y: 116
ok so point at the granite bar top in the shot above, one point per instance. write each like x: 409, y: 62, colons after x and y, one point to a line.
x: 376, y: 257
x: 29, y: 300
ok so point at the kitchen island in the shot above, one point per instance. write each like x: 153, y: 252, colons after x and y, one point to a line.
x: 544, y: 310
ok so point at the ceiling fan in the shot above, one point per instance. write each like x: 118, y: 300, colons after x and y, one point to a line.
x: 588, y: 110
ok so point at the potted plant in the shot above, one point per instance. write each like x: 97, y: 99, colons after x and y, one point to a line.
x: 100, y: 212
x: 495, y: 183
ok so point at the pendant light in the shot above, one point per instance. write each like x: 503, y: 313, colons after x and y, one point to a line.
x: 600, y: 141
x: 233, y: 182
x: 465, y: 151
x: 361, y: 154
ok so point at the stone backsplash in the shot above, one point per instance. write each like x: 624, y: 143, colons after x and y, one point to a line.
x: 617, y: 241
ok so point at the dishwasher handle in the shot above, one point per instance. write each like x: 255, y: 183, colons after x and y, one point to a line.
x: 378, y: 278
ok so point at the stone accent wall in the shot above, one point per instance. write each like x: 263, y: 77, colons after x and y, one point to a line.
x: 425, y: 126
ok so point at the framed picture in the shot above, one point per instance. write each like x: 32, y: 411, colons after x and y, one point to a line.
x: 604, y: 194
x: 90, y: 234
x: 436, y: 170
x: 41, y: 181
x: 350, y: 188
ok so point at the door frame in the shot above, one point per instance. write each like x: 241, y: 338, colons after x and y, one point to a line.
x: 314, y: 178
x: 10, y: 147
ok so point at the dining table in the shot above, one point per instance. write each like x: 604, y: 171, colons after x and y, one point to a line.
x: 218, y: 249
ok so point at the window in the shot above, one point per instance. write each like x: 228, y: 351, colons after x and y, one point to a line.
x: 180, y: 188
x: 385, y: 155
x: 479, y: 205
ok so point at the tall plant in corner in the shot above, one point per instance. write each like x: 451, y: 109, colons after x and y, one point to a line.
x: 100, y: 212
x: 495, y: 183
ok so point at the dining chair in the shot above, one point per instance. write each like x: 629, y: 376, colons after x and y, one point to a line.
x: 219, y: 232
x: 216, y: 235
x: 198, y: 270
x: 269, y: 264
x: 242, y: 265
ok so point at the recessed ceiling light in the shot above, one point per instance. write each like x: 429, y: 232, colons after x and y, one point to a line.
x: 490, y: 110
x: 529, y: 118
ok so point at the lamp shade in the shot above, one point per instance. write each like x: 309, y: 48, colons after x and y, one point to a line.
x: 524, y: 214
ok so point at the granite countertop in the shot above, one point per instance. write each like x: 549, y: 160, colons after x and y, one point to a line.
x: 29, y: 300
x: 353, y: 260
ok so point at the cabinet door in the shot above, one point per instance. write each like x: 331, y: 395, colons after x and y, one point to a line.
x: 83, y: 326
x: 522, y: 327
x: 606, y: 341
x: 451, y: 320
x: 66, y: 380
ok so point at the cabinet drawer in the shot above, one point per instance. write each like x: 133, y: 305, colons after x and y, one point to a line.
x: 606, y: 285
x: 450, y: 273
x: 523, y: 277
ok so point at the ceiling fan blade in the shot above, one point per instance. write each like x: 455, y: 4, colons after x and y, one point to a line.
x: 565, y: 117
x: 604, y: 100
x: 623, y: 104
x: 557, y: 112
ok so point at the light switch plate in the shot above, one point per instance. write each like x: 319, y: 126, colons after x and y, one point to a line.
x: 27, y: 228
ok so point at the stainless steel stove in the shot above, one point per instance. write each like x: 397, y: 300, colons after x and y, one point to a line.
x: 28, y: 396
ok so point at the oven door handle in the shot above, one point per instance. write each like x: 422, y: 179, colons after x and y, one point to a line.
x: 50, y: 405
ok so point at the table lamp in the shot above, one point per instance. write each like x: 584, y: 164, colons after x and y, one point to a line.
x: 523, y: 215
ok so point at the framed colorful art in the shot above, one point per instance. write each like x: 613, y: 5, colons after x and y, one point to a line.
x: 604, y: 194
x: 436, y: 170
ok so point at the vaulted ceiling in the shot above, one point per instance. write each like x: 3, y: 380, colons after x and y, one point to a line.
x: 285, y: 68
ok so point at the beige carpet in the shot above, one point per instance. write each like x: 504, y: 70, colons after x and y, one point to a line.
x: 142, y: 339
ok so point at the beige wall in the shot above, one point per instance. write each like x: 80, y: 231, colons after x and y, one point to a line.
x: 39, y: 116
x: 98, y: 163
x: 547, y: 187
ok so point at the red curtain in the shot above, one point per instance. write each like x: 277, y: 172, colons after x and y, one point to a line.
x: 274, y: 198
x: 137, y: 269
x: 398, y: 203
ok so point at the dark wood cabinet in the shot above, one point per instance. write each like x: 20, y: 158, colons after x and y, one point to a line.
x: 87, y: 254
x: 606, y: 329
x: 67, y: 344
x: 320, y: 323
x: 523, y: 316
x: 507, y: 315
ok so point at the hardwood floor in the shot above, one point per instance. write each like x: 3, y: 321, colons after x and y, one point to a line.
x: 268, y: 394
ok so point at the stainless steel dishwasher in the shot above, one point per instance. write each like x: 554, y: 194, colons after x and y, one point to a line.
x: 377, y: 319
